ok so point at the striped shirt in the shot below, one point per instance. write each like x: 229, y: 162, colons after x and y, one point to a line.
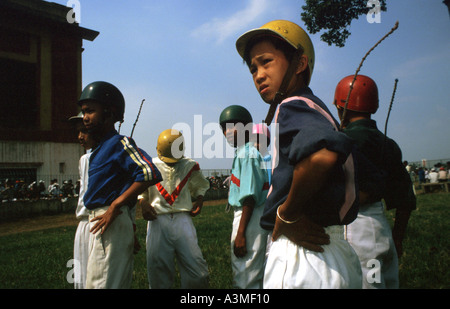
x: 114, y: 166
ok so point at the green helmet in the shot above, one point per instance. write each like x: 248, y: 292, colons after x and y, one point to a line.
x: 106, y: 94
x: 235, y: 113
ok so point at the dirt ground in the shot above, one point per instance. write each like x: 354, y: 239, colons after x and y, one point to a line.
x: 47, y: 222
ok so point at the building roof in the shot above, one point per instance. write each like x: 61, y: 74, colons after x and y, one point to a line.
x: 43, y: 12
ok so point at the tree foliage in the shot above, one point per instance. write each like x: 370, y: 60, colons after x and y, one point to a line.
x: 334, y: 16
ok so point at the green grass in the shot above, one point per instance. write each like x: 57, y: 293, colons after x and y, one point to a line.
x: 425, y: 263
x: 33, y: 260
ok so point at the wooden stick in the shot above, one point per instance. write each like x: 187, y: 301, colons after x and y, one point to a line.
x: 358, y: 69
x: 387, y: 119
x: 137, y: 118
x: 390, y: 106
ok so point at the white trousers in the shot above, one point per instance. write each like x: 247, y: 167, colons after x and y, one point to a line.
x: 248, y: 271
x: 371, y: 237
x: 110, y: 262
x: 81, y: 253
x: 293, y: 267
x: 173, y: 236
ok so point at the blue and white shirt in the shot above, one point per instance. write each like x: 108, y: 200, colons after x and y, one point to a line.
x: 114, y: 165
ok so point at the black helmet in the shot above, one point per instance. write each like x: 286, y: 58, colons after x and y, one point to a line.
x: 106, y: 94
x: 235, y: 113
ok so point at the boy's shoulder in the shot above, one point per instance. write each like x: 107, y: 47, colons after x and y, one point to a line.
x: 184, y: 162
x: 248, y: 151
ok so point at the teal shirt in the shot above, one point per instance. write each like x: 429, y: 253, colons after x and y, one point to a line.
x: 248, y: 177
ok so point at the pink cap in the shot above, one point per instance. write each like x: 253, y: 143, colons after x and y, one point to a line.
x: 261, y: 128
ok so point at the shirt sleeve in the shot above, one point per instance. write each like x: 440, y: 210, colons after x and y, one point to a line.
x: 305, y: 131
x: 138, y: 162
x: 198, y: 184
x: 400, y: 193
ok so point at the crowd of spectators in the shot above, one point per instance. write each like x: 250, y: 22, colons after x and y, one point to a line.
x: 218, y: 182
x: 436, y: 174
x: 19, y: 190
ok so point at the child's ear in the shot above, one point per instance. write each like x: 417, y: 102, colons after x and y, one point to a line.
x: 302, y: 64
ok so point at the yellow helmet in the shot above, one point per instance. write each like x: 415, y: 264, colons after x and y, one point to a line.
x: 286, y: 30
x: 170, y: 146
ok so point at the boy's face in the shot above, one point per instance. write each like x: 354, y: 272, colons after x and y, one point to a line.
x: 230, y: 133
x: 85, y: 139
x: 236, y: 134
x: 268, y: 66
x: 93, y: 116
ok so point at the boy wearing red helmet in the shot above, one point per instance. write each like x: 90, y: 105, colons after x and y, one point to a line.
x: 370, y: 234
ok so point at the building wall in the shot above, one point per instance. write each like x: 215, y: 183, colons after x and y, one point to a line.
x: 51, y: 160
x: 40, y: 83
x: 55, y: 60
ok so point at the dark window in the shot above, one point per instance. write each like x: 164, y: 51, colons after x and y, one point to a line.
x: 18, y: 95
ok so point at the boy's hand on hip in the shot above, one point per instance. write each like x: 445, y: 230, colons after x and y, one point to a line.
x: 105, y: 220
x: 303, y: 232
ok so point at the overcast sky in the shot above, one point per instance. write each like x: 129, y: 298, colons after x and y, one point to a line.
x: 180, y: 56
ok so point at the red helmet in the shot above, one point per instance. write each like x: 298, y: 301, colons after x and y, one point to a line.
x: 363, y: 98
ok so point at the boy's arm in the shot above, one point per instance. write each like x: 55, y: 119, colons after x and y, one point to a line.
x: 197, y: 207
x: 399, y: 230
x: 148, y: 211
x: 240, y: 246
x: 131, y: 194
x: 308, y: 178
x: 198, y: 186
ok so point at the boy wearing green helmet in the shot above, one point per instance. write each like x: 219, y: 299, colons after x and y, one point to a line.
x: 313, y: 191
x: 248, y: 190
x: 118, y: 172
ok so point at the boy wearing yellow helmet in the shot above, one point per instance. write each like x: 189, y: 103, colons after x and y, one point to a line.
x: 313, y: 192
x: 168, y: 207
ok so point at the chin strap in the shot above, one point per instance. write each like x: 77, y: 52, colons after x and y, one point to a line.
x: 281, y: 93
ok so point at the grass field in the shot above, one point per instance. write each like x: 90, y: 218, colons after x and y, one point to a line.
x: 39, y: 259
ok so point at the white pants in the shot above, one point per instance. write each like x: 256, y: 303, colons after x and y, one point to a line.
x: 292, y: 267
x: 248, y: 271
x: 110, y: 262
x: 81, y: 253
x: 170, y: 236
x: 371, y: 237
